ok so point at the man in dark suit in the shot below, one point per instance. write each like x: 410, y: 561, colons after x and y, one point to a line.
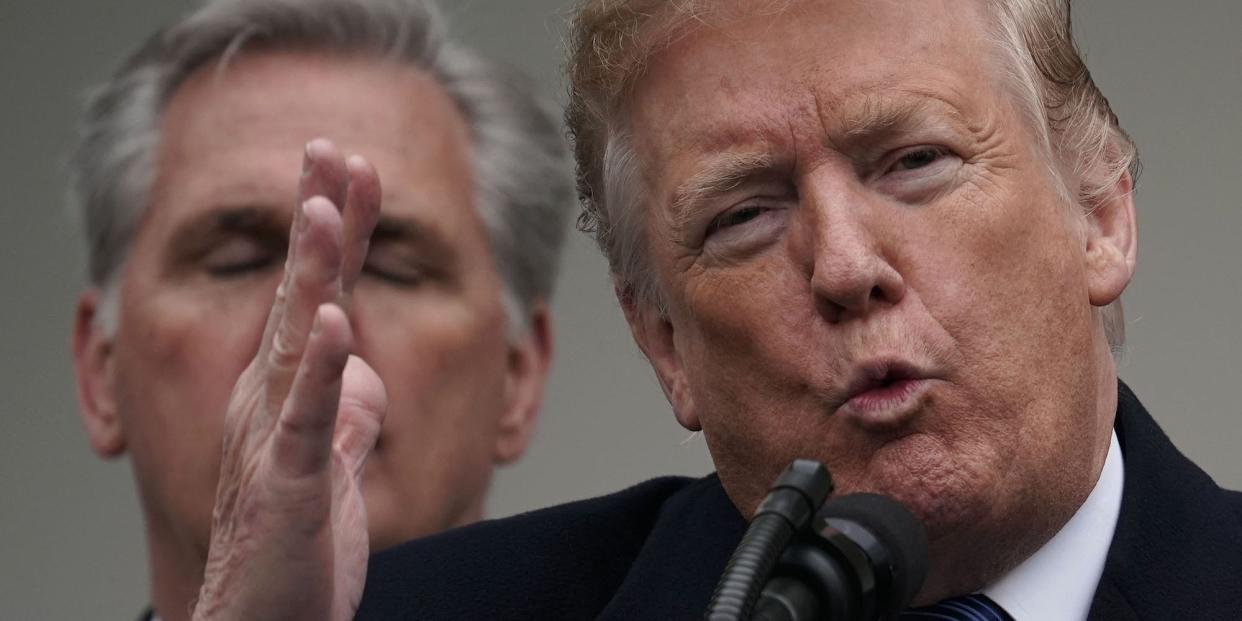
x: 888, y: 236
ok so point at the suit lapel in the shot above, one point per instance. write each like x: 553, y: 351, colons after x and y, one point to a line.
x: 1177, y: 549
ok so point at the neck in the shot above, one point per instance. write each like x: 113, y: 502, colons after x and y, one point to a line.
x: 176, y: 576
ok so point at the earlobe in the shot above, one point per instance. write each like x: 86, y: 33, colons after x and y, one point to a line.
x: 654, y: 335
x: 1112, y: 243
x: 93, y: 370
x: 530, y: 359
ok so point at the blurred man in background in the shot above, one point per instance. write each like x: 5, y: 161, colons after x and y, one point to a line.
x: 187, y: 181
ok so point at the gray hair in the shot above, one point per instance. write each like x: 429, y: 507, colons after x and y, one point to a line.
x: 613, y: 40
x: 521, y: 164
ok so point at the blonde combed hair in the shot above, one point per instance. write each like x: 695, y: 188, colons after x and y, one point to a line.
x: 611, y: 42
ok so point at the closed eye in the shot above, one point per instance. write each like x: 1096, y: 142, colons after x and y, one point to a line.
x: 238, y: 256
x: 396, y: 263
x: 403, y: 276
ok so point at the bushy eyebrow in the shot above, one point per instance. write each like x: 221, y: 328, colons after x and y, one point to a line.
x: 272, y: 225
x: 879, y: 114
x: 254, y: 221
x: 721, y: 173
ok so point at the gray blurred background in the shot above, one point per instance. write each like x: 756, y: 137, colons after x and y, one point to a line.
x: 71, y: 542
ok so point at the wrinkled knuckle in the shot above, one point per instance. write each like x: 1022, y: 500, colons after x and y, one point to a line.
x: 304, y: 426
x: 316, y: 273
x: 304, y: 276
x: 285, y: 352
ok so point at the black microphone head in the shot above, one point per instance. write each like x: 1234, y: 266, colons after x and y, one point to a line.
x: 901, y: 538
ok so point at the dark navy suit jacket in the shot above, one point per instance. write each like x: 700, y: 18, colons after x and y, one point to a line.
x: 655, y: 551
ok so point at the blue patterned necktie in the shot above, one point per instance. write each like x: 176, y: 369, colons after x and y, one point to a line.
x: 975, y: 607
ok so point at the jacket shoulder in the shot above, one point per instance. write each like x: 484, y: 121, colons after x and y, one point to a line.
x: 560, y: 562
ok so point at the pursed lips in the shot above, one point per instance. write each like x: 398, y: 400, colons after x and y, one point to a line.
x: 884, y: 393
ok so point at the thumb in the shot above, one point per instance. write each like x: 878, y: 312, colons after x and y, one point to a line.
x: 360, y: 414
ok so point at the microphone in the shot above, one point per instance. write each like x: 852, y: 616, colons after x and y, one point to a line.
x: 864, y: 558
x: 788, y: 508
x: 860, y: 557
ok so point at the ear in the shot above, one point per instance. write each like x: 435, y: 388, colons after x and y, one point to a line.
x: 654, y: 334
x: 1112, y: 243
x: 93, y: 368
x: 530, y: 359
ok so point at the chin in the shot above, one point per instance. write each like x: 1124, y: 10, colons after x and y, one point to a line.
x: 948, y: 494
x: 384, y: 523
x: 385, y: 532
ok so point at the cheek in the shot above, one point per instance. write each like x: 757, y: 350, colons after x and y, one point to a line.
x: 1003, y: 274
x: 443, y: 364
x: 177, y: 358
x: 186, y: 351
x: 729, y: 320
x: 750, y: 346
x: 1007, y: 284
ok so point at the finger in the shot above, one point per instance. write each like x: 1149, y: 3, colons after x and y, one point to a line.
x: 312, y: 279
x: 302, y: 441
x: 323, y: 174
x: 362, y: 208
x: 360, y: 416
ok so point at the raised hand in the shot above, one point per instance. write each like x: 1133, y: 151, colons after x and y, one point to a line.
x: 289, y: 530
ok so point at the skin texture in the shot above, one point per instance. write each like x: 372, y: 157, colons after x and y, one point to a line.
x: 892, y: 206
x: 425, y: 314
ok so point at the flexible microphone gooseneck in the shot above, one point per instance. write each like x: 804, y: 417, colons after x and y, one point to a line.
x: 791, y: 502
x: 862, y: 557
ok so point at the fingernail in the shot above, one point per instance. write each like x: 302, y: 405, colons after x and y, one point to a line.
x: 306, y: 158
x: 356, y: 162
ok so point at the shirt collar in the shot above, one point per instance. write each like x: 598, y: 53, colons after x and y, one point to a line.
x: 1059, y: 580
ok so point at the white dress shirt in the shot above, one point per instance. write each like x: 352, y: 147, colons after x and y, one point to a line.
x: 1058, y: 582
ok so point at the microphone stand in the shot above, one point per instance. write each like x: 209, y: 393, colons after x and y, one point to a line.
x: 826, y: 574
x: 861, y: 557
x: 787, y: 509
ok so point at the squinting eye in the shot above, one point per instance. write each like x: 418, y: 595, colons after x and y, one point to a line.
x: 734, y: 218
x: 921, y: 158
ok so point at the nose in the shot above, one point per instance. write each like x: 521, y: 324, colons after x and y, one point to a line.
x: 846, y: 236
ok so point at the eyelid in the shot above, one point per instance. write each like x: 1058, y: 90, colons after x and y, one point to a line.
x: 750, y: 233
x: 236, y: 254
x: 718, y: 222
x: 900, y: 154
x: 396, y: 264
